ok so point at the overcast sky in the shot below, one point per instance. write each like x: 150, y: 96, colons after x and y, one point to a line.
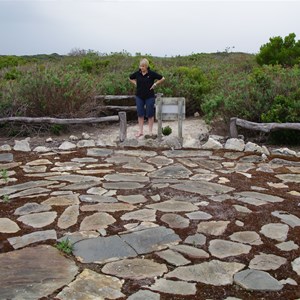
x: 159, y: 28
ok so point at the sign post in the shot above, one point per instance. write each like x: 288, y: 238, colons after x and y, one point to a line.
x: 170, y: 108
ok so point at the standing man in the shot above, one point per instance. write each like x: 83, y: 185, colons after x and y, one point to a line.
x: 145, y: 81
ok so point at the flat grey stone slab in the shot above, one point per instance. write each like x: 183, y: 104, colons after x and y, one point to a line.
x: 173, y: 257
x: 74, y: 178
x: 97, y: 199
x: 137, y: 153
x: 197, y: 239
x: 287, y: 218
x: 102, y: 249
x: 133, y: 199
x: 276, y: 231
x: 34, y: 273
x: 173, y: 171
x: 63, y: 200
x: 187, y: 153
x: 136, y: 268
x: 296, y: 265
x: 29, y: 208
x: 149, y: 240
x: 287, y: 246
x: 97, y: 221
x: 139, y: 166
x: 6, y: 157
x: 148, y: 215
x: 267, y: 262
x: 255, y: 280
x: 143, y: 295
x: 8, y: 226
x: 199, y: 215
x: 39, y: 220
x: 123, y: 185
x: 22, y: 146
x: 126, y: 177
x: 99, y: 152
x: 160, y: 161
x: 108, y: 207
x: 246, y: 237
x: 173, y: 206
x: 24, y: 186
x: 256, y: 198
x: 190, y: 251
x: 203, y: 188
x: 295, y: 178
x: 214, y: 272
x: 34, y: 237
x: 173, y: 287
x: 69, y: 217
x: 175, y: 221
x: 30, y: 192
x: 212, y: 227
x: 91, y: 285
x: 223, y: 248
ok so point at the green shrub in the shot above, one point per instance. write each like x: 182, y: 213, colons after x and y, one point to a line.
x: 166, y: 130
x: 65, y: 246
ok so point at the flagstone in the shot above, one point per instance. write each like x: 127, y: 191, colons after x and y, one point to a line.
x: 67, y: 146
x: 29, y: 192
x: 5, y: 147
x: 24, y: 186
x: 62, y: 200
x: 140, y: 215
x: 120, y: 159
x: 287, y: 218
x: 97, y: 221
x: 22, y: 146
x: 8, y: 226
x: 34, y: 169
x: 97, y: 199
x: 38, y: 220
x: 6, y: 157
x: 91, y: 285
x: 173, y: 287
x: 256, y: 198
x: 187, y: 153
x: 84, y: 159
x: 279, y: 185
x: 34, y: 272
x: 190, y: 251
x: 139, y: 166
x: 296, y: 265
x: 246, y: 237
x: 69, y: 217
x: 207, y: 164
x: 204, y: 177
x: 213, y: 227
x: 295, y: 178
x: 31, y: 238
x: 276, y: 231
x: 175, y: 221
x: 255, y: 280
x: 133, y: 199
x: 152, y: 239
x: 102, y: 249
x: 173, y: 171
x: 74, y: 237
x: 143, y: 295
x: 130, y: 227
x: 108, y: 207
x: 126, y: 177
x: 160, y: 161
x: 123, y: 185
x: 137, y: 153
x: 173, y: 206
x: 199, y: 215
x: 197, y: 239
x: 242, y: 209
x: 135, y: 269
x: 203, y: 188
x: 214, y: 272
x: 222, y: 248
x: 81, y: 185
x: 74, y: 178
x: 173, y: 257
x: 267, y: 262
x: 29, y: 208
x: 287, y: 246
x: 94, y: 171
x: 8, y: 166
x: 96, y: 191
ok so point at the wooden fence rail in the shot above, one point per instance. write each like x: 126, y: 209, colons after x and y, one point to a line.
x: 45, y: 120
x: 264, y: 127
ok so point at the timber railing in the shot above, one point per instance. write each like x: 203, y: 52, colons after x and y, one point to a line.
x: 46, y: 120
x: 264, y: 127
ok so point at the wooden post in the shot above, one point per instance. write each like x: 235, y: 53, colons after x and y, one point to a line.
x: 180, y: 117
x: 159, y: 117
x: 123, y: 125
x: 233, y: 129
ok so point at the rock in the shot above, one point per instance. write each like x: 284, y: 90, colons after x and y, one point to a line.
x: 37, y: 272
x: 246, y: 237
x: 267, y: 262
x: 67, y: 146
x: 173, y: 257
x: 252, y: 147
x: 212, y: 144
x: 223, y: 248
x: 276, y: 231
x: 38, y: 220
x: 135, y: 269
x: 22, y: 146
x: 175, y: 221
x: 296, y: 265
x: 235, y: 144
x: 8, y: 226
x: 97, y: 221
x: 142, y: 295
x: 255, y: 280
x: 213, y: 227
